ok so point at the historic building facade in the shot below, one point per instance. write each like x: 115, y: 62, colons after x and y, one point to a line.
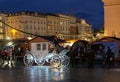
x: 2, y: 27
x: 64, y: 28
x: 30, y: 24
x: 53, y: 24
x: 112, y: 18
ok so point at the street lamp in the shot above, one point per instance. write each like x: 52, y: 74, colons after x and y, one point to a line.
x: 13, y: 32
x: 8, y: 38
x: 29, y: 38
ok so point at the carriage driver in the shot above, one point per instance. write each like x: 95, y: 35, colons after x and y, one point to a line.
x: 56, y: 44
x: 56, y: 41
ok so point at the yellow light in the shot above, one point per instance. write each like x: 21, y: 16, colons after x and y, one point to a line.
x: 13, y: 31
x: 72, y: 41
x: 8, y: 38
x: 29, y: 38
x: 0, y: 23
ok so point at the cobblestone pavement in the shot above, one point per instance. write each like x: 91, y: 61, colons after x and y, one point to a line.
x: 35, y: 73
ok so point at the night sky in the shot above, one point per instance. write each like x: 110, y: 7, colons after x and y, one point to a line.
x: 91, y: 10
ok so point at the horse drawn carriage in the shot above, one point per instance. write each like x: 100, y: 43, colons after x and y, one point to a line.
x: 40, y: 54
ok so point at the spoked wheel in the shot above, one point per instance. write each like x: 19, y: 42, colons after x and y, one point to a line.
x: 65, y: 61
x: 40, y: 61
x: 28, y: 60
x: 55, y: 61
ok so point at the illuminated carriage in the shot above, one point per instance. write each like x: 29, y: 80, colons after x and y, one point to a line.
x: 40, y: 54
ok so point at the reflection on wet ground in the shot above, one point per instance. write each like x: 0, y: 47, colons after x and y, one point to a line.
x: 67, y: 74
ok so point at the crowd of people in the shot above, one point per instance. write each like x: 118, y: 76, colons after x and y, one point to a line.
x: 7, y: 57
x: 78, y: 52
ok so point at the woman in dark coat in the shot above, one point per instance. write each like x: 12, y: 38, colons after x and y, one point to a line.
x: 109, y: 57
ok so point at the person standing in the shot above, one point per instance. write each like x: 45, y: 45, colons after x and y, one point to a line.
x: 56, y: 41
x: 10, y: 55
x: 90, y: 57
x: 102, y: 52
x: 109, y: 57
x: 5, y: 57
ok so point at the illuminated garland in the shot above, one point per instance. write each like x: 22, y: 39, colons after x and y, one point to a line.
x: 18, y: 29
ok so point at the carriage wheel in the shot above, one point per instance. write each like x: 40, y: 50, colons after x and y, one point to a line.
x: 40, y: 61
x: 55, y: 61
x: 65, y: 61
x: 28, y: 60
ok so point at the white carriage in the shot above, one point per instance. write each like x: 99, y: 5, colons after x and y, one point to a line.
x: 40, y: 54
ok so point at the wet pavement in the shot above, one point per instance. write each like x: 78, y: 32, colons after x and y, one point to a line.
x: 35, y: 73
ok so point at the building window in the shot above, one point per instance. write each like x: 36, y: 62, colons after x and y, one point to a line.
x: 38, y: 22
x: 30, y: 27
x: 34, y: 22
x: 30, y: 21
x: 38, y: 46
x: 1, y: 30
x: 26, y: 26
x: 44, y: 46
x: 34, y: 27
x: 26, y: 21
x: 19, y: 27
x: 38, y: 28
x: 41, y: 28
